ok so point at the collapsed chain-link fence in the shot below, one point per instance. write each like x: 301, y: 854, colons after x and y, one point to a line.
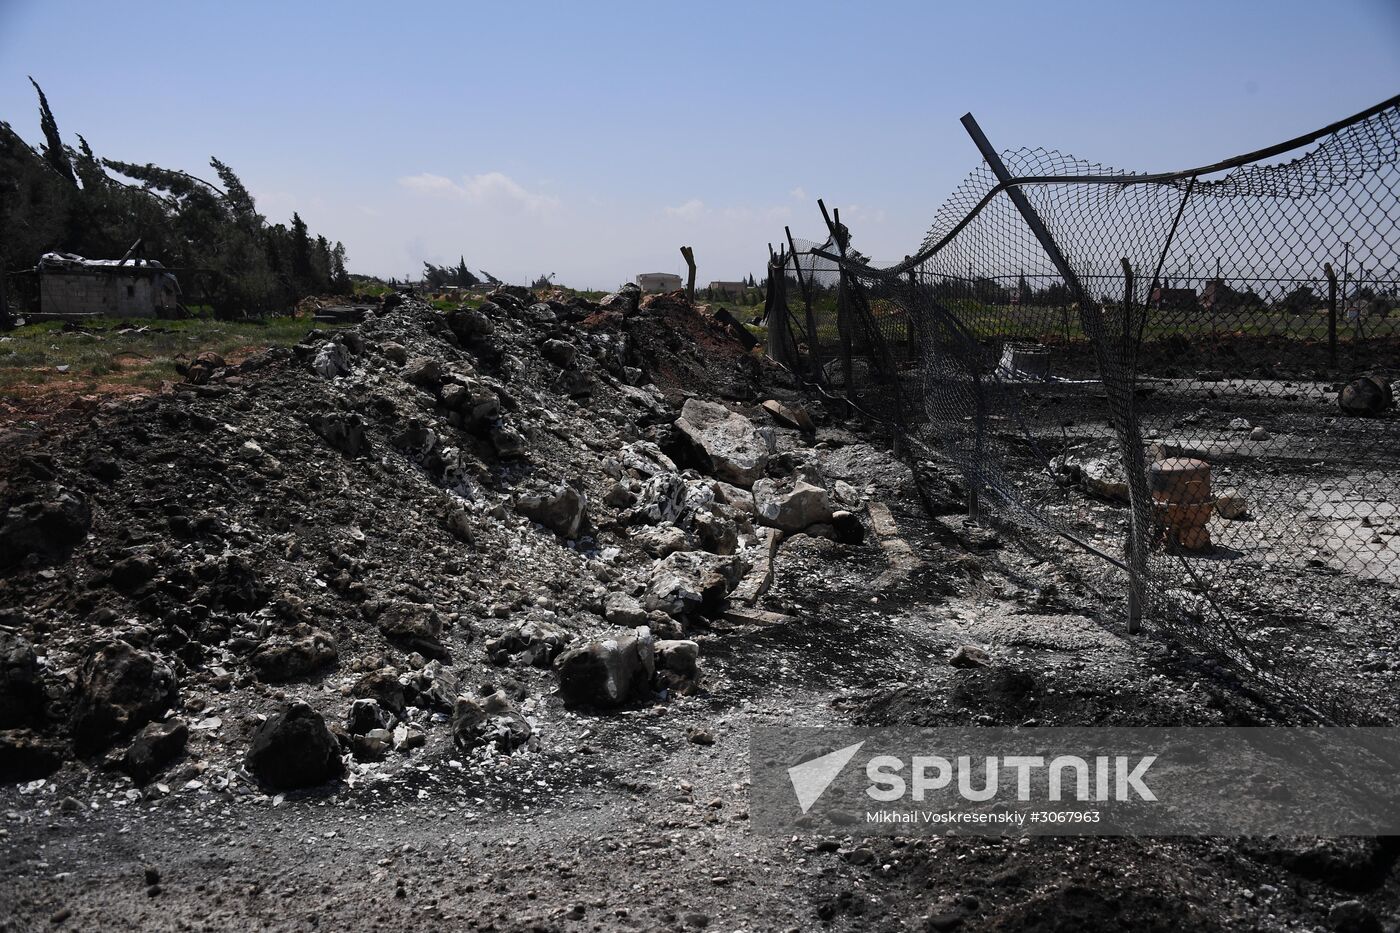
x: 1207, y: 352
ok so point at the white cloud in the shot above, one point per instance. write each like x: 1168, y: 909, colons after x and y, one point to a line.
x: 798, y: 194
x: 693, y: 209
x: 487, y: 188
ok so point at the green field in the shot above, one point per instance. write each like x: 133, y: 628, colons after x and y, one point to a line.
x: 140, y: 352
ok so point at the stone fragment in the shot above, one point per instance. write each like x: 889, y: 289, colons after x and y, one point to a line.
x: 792, y: 511
x: 688, y: 581
x: 563, y: 511
x: 726, y: 443
x: 791, y: 417
x: 153, y: 748
x: 492, y: 720
x: 120, y: 689
x: 49, y: 527
x: 607, y: 673
x: 293, y: 748
x: 969, y: 656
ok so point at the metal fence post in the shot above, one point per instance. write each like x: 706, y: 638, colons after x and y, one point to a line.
x: 1115, y: 372
x: 814, y: 356
x: 1331, y: 314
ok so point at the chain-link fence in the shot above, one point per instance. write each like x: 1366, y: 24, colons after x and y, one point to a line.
x: 1185, y: 375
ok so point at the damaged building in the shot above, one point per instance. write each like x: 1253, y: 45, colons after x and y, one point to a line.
x: 70, y: 285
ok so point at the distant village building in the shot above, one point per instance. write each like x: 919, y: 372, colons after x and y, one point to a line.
x: 654, y: 282
x: 1173, y: 298
x: 729, y: 289
x: 72, y: 285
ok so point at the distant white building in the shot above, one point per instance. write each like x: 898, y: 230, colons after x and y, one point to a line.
x: 729, y: 289
x: 655, y: 282
x: 72, y: 285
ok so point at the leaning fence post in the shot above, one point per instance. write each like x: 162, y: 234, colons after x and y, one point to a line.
x: 1331, y: 314
x: 1112, y: 367
x: 843, y: 323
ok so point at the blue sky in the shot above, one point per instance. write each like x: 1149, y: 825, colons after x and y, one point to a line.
x: 593, y: 139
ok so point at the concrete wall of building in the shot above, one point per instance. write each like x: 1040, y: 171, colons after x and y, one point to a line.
x: 112, y: 294
x: 653, y: 282
x: 733, y: 289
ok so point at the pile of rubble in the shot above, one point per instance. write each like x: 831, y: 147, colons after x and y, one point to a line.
x: 416, y: 532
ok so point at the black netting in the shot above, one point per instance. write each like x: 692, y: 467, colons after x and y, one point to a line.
x: 1182, y: 360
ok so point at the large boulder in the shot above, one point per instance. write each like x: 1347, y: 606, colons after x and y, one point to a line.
x: 563, y: 511
x: 800, y: 508
x: 678, y: 665
x: 609, y: 672
x: 417, y: 627
x: 688, y: 581
x: 331, y: 360
x: 120, y: 689
x: 294, y: 748
x: 726, y: 444
x: 153, y: 748
x: 21, y: 693
x: 49, y: 527
x: 284, y: 657
x: 491, y: 720
x: 537, y: 642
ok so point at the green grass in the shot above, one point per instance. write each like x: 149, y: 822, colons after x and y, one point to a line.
x: 139, y: 352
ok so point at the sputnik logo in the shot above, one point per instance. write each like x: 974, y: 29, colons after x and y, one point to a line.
x: 811, y: 778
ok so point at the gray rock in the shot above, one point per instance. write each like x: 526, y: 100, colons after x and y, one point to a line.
x: 394, y: 352
x: 365, y: 716
x: 536, y: 641
x: 153, y: 748
x: 1352, y: 916
x: 607, y: 673
x: 716, y: 534
x: 679, y: 656
x: 415, y: 626
x: 660, y: 499
x: 621, y: 609
x: 120, y: 689
x: 50, y: 527
x: 374, y: 745
x: 492, y: 720
x: 559, y: 352
x: 969, y: 656
x: 470, y: 324
x: 1240, y: 424
x: 21, y: 692
x: 660, y: 540
x: 331, y: 360
x: 1231, y: 504
x: 575, y: 383
x: 1260, y: 434
x: 423, y: 371
x: 564, y: 511
x: 726, y: 443
x: 688, y: 581
x: 741, y: 500
x: 286, y: 657
x: 792, y: 511
x: 509, y: 443
x: 293, y: 748
x: 1101, y: 476
x: 344, y: 432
